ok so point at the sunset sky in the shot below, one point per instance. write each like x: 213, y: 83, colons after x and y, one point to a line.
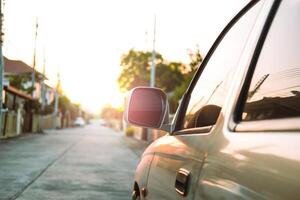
x: 84, y: 40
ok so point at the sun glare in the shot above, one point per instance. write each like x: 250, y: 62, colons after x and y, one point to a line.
x: 84, y: 41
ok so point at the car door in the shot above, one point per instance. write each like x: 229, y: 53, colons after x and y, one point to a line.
x: 178, y: 157
x: 256, y: 155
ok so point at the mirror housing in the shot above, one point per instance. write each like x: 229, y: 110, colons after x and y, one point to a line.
x: 147, y: 107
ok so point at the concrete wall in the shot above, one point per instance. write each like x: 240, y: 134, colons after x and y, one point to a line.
x: 47, y: 122
x: 39, y: 123
x: 11, y: 125
x: 35, y: 124
x: 10, y: 122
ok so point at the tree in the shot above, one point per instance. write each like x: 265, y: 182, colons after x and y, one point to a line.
x: 110, y: 113
x: 20, y: 81
x: 136, y: 69
x: 172, y: 77
x: 66, y: 106
x: 136, y: 66
x: 196, y: 59
x: 169, y: 76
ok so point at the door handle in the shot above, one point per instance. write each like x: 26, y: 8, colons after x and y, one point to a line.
x: 182, y: 181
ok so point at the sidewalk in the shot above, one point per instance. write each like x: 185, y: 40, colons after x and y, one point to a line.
x: 137, y: 146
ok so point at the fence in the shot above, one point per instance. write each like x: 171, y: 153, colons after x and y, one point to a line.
x: 13, y: 125
x: 9, y: 123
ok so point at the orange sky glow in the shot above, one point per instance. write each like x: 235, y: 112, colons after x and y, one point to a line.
x: 84, y: 40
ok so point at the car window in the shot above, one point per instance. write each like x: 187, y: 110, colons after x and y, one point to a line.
x: 209, y: 93
x: 275, y: 86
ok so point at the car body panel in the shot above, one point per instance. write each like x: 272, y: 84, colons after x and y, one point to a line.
x: 170, y: 154
x: 229, y: 162
x: 250, y: 165
x: 142, y: 170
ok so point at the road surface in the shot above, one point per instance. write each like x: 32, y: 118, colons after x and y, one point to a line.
x: 93, y: 162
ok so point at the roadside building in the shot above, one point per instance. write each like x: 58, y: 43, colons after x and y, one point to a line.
x: 19, y: 105
x: 15, y: 119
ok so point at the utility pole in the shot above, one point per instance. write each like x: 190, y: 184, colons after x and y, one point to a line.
x: 43, y: 93
x: 34, y: 58
x: 146, y: 131
x: 43, y: 88
x: 152, y: 77
x: 1, y: 65
x: 56, y: 101
x: 55, y: 109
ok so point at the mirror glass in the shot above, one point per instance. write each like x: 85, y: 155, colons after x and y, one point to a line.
x: 146, y: 107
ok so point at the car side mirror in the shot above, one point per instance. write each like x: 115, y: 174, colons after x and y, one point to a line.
x: 147, y: 107
x: 206, y: 116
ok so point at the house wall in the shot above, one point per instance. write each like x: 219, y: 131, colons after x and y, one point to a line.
x: 47, y: 122
x: 10, y: 122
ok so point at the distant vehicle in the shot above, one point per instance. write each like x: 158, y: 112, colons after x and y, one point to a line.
x: 236, y: 133
x: 103, y: 122
x: 79, y: 121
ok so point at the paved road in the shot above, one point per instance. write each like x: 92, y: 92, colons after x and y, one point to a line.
x: 83, y: 163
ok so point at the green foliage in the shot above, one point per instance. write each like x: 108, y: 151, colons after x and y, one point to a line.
x: 196, y: 59
x: 136, y: 67
x: 111, y: 113
x: 32, y: 106
x: 65, y: 105
x: 48, y: 109
x: 169, y: 76
x: 19, y: 81
x: 23, y: 81
x: 172, y: 77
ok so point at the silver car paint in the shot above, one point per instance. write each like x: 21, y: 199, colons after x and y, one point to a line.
x: 226, y: 164
x: 251, y: 165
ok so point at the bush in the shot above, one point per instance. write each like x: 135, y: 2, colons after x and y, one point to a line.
x: 129, y: 131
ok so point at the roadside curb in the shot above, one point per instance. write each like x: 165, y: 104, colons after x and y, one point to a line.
x: 137, y: 146
x: 3, y: 139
